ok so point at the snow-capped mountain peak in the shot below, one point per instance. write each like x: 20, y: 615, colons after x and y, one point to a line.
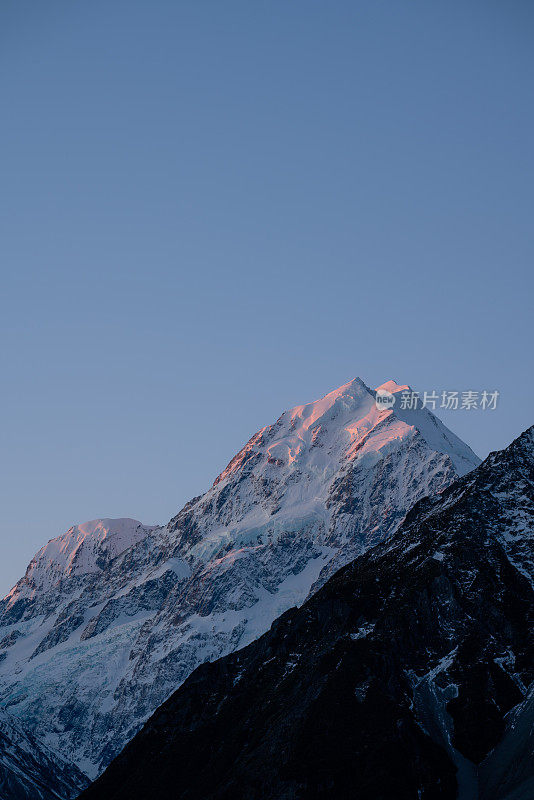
x: 317, y: 436
x: 289, y: 440
x: 83, y: 549
x: 112, y: 617
x: 349, y: 397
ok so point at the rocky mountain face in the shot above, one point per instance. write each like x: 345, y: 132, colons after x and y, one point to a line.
x: 408, y: 675
x: 29, y: 771
x: 111, y: 617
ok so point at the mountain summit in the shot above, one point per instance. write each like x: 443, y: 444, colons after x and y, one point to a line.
x: 111, y: 617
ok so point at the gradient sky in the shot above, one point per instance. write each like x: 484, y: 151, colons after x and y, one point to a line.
x: 212, y: 211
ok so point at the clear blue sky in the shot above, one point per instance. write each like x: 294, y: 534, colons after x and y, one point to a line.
x: 212, y: 211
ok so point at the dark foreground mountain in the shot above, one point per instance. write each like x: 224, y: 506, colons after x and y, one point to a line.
x: 409, y: 674
x: 30, y: 771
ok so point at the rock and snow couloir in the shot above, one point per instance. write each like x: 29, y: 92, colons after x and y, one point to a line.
x: 111, y: 617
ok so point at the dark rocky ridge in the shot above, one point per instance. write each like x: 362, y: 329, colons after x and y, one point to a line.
x: 408, y: 675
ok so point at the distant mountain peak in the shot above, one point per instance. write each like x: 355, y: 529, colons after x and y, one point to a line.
x: 83, y: 549
x: 342, y: 421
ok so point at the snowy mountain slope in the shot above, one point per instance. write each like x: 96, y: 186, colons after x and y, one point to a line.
x: 409, y: 674
x: 29, y: 771
x: 96, y: 637
x: 81, y: 550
